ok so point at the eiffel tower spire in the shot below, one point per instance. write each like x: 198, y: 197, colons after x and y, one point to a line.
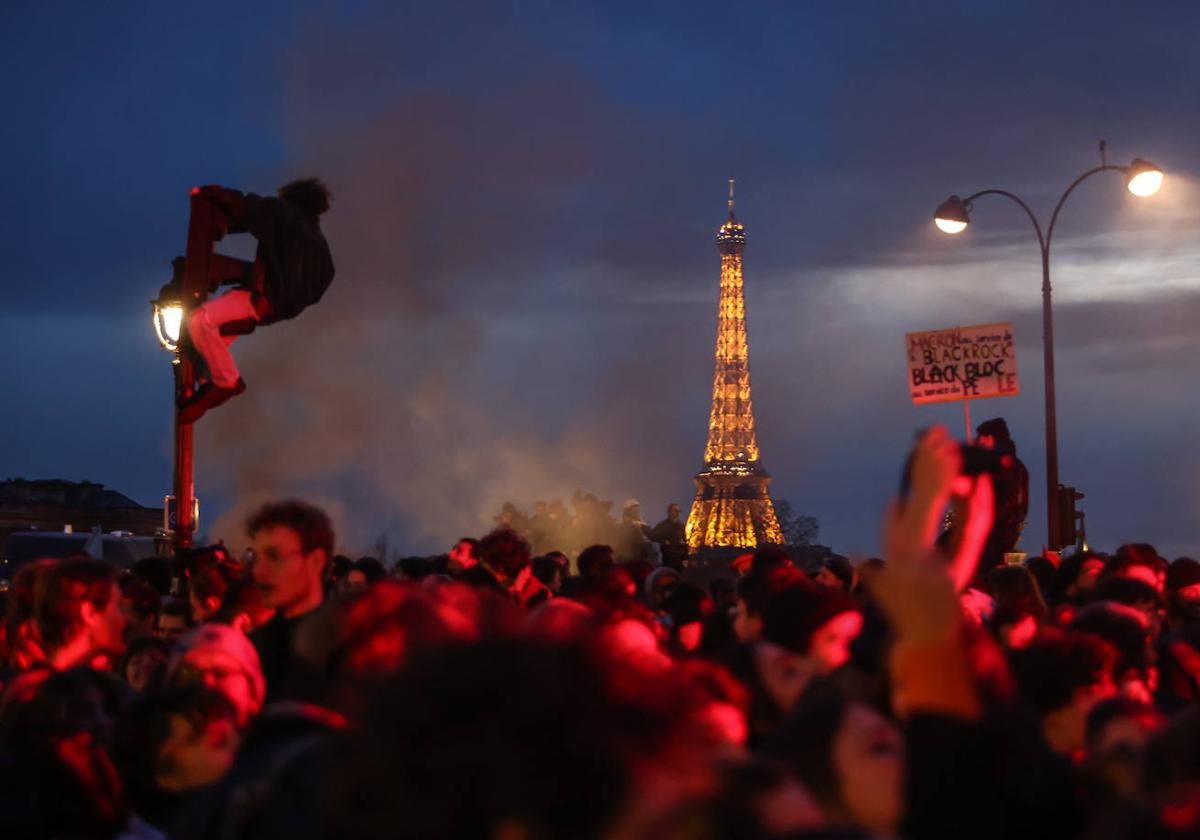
x: 732, y: 505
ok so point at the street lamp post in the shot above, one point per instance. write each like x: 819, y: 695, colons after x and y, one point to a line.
x: 195, y: 276
x: 1142, y: 178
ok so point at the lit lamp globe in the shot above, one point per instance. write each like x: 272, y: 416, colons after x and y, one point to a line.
x: 1143, y: 178
x: 952, y: 216
x: 168, y: 322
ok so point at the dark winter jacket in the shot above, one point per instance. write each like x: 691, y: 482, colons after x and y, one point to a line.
x: 293, y: 266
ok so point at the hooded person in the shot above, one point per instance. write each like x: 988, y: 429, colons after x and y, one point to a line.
x: 292, y: 269
x: 1010, y: 486
x: 221, y: 658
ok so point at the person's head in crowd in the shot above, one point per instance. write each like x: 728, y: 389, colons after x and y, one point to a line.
x: 209, y: 586
x: 1043, y: 571
x: 994, y: 434
x: 550, y: 748
x: 80, y: 618
x: 144, y: 665
x: 1139, y: 554
x: 23, y: 638
x: 1172, y: 755
x: 659, y: 585
x: 59, y: 734
x: 1135, y: 593
x: 752, y: 591
x: 850, y: 757
x: 866, y: 569
x: 559, y: 619
x: 352, y: 642
x: 741, y: 564
x: 222, y: 659
x: 293, y: 543
x: 156, y: 571
x: 769, y: 557
x: 760, y: 797
x: 549, y: 571
x: 365, y: 570
x: 464, y: 555
x: 1183, y: 591
x: 1117, y: 731
x: 814, y: 623
x: 174, y: 741
x: 835, y: 572
x: 243, y: 607
x: 721, y: 704
x: 1076, y: 577
x: 414, y: 568
x: 504, y: 553
x: 1128, y: 632
x: 1062, y: 675
x: 174, y: 619
x: 612, y: 592
x: 1019, y: 609
x: 141, y: 603
x: 339, y: 567
x: 595, y: 562
x: 688, y: 605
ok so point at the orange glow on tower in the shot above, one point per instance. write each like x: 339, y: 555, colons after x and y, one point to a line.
x: 732, y: 505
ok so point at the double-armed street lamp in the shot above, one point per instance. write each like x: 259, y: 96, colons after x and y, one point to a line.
x: 1142, y: 178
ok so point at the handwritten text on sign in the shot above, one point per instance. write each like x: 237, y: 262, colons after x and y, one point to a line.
x: 962, y: 363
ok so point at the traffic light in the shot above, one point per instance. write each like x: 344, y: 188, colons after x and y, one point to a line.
x: 1067, y: 497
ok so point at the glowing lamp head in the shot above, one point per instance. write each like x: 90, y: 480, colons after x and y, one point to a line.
x: 1143, y: 178
x: 168, y: 322
x: 952, y: 216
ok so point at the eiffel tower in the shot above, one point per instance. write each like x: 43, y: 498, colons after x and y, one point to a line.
x: 732, y: 506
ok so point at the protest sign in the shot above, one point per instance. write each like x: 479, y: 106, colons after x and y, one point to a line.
x: 963, y: 363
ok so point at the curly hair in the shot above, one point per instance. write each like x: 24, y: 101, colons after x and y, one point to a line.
x: 505, y: 551
x: 309, y: 193
x: 310, y: 523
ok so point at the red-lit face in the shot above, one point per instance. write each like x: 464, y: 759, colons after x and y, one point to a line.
x: 106, y: 626
x: 1145, y: 574
x: 830, y: 645
x: 288, y: 577
x: 172, y: 627
x: 192, y: 757
x: 868, y: 757
x: 1089, y: 573
x: 213, y: 667
x: 461, y: 557
x: 141, y: 668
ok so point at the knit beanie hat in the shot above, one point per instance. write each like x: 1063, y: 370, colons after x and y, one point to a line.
x: 228, y: 641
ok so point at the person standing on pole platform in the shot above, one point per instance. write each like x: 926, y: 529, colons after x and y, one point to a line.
x: 671, y: 537
x: 292, y: 269
x: 1011, y: 487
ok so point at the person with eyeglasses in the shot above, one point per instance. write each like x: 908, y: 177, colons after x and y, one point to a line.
x: 293, y: 544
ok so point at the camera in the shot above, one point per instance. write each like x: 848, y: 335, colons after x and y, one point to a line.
x: 976, y: 460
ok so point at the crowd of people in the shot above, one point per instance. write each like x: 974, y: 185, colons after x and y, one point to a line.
x: 490, y: 693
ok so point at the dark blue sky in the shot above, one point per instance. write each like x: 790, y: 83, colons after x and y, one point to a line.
x: 525, y: 199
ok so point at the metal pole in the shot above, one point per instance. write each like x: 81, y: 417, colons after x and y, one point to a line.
x: 185, y: 485
x: 1051, y: 414
x: 202, y: 233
